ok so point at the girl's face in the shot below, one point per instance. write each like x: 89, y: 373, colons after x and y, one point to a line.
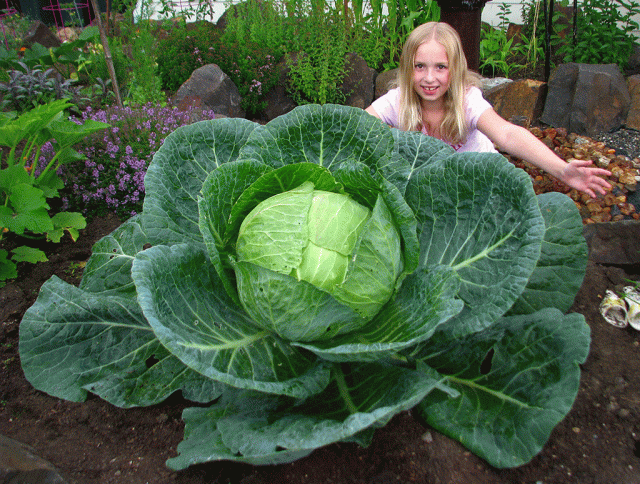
x: 431, y: 72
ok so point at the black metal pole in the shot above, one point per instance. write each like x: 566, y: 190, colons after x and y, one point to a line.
x: 547, y: 41
x: 575, y: 22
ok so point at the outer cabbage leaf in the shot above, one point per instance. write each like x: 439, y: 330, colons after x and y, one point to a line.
x: 182, y: 298
x: 109, y: 267
x: 478, y: 214
x: 327, y: 135
x: 180, y: 167
x: 516, y: 380
x: 220, y: 191
x: 563, y: 260
x: 262, y: 429
x: 73, y: 341
x: 412, y: 150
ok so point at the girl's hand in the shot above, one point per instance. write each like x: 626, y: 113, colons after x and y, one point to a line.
x: 579, y: 175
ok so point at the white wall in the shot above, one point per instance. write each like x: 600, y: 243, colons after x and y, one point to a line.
x: 490, y: 13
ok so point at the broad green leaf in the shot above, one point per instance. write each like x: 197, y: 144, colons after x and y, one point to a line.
x: 478, y: 214
x: 109, y: 267
x: 31, y: 123
x: 516, y: 380
x: 8, y: 269
x: 412, y: 150
x: 325, y: 135
x: 73, y: 342
x: 261, y: 429
x: 426, y: 300
x: 563, y: 259
x: 50, y: 183
x: 219, y: 193
x: 28, y: 210
x: 28, y: 254
x: 178, y: 171
x: 184, y: 301
x: 68, y: 134
x: 13, y: 176
x: 71, y: 222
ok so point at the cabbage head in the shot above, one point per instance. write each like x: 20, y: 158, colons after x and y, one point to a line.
x: 306, y: 280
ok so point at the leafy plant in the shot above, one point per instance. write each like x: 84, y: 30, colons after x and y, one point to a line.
x: 28, y: 88
x: 26, y: 184
x: 496, y: 52
x: 605, y: 33
x: 318, y: 64
x: 480, y: 272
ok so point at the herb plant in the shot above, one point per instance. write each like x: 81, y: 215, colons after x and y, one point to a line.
x: 110, y: 177
x: 308, y: 279
x: 29, y: 87
x: 605, y: 33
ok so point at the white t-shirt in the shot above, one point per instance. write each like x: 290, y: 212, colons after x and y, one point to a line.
x: 388, y: 106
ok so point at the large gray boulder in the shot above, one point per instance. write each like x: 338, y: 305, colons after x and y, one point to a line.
x: 359, y: 82
x: 210, y: 88
x: 20, y: 465
x: 39, y: 33
x: 278, y: 100
x: 586, y: 98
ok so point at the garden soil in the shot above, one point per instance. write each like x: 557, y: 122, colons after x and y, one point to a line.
x: 94, y: 442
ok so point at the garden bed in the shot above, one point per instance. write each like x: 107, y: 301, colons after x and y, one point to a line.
x: 94, y: 442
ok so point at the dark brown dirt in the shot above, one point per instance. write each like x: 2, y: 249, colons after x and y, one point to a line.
x: 94, y: 442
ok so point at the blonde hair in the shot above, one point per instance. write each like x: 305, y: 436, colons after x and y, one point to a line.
x: 454, y: 128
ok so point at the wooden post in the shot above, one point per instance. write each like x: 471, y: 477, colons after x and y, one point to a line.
x: 107, y: 53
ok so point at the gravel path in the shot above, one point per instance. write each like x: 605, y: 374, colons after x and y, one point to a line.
x: 626, y: 142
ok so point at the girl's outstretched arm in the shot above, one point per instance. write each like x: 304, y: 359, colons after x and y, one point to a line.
x: 519, y: 142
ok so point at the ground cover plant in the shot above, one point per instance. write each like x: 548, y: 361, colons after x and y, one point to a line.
x: 110, y: 178
x: 468, y: 326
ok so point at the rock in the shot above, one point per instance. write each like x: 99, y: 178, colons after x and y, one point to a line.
x: 384, y: 82
x: 491, y: 83
x: 633, y: 65
x: 20, y: 465
x: 213, y: 89
x: 67, y: 34
x: 586, y: 99
x: 39, y: 33
x: 358, y: 83
x: 633, y: 118
x: 615, y: 243
x: 519, y: 102
x: 278, y: 100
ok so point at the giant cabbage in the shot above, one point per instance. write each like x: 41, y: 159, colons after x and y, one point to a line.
x: 206, y: 293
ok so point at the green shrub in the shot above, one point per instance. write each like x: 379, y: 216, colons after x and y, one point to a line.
x: 183, y: 51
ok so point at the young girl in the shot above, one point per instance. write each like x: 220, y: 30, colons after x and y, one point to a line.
x: 439, y: 96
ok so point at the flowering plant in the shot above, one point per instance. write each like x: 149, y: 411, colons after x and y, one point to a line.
x: 111, y: 179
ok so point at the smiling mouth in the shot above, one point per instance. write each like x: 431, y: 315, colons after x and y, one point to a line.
x: 430, y: 89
